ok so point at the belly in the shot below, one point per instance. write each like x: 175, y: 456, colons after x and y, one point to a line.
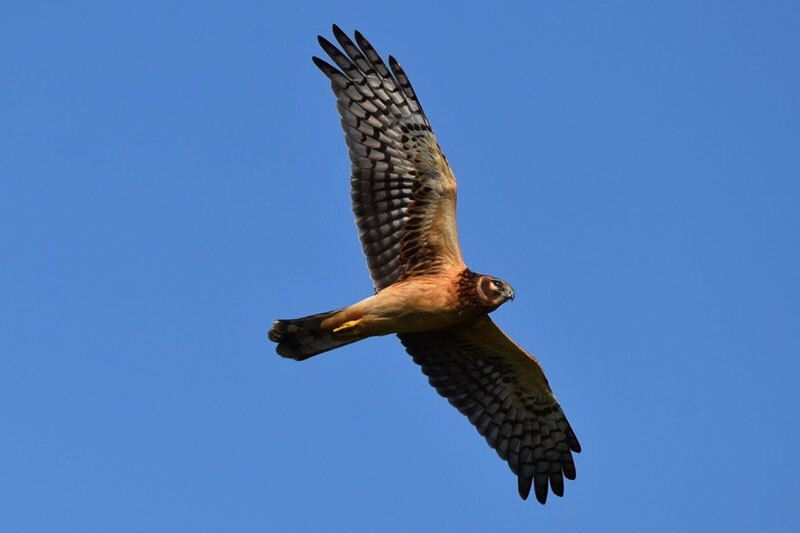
x: 412, y: 307
x: 423, y: 320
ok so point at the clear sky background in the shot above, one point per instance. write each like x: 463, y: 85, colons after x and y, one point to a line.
x: 174, y: 178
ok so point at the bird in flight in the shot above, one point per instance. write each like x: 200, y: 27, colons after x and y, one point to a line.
x: 404, y: 200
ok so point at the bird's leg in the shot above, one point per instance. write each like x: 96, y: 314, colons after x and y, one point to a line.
x: 348, y: 329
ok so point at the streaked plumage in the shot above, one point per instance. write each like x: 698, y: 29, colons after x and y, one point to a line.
x: 404, y: 199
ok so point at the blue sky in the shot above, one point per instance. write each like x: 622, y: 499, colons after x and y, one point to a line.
x: 174, y: 178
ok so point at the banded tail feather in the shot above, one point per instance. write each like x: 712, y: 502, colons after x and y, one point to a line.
x: 301, y: 338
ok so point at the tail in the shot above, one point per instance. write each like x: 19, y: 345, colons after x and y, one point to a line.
x: 302, y: 338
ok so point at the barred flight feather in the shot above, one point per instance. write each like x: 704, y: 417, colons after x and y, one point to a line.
x: 503, y: 392
x: 400, y: 177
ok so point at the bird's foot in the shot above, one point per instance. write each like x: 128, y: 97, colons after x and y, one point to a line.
x: 347, y: 329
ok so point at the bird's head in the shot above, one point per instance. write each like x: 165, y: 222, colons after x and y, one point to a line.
x: 493, y: 292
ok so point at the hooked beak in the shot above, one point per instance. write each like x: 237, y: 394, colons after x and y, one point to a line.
x: 509, y: 292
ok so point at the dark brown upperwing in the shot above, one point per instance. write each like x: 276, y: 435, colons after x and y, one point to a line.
x: 504, y: 393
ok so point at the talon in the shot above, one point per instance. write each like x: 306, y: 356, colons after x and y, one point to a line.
x: 347, y: 326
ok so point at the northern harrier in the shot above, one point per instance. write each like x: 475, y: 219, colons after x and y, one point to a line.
x: 404, y: 200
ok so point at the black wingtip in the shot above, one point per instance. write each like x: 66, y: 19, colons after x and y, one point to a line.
x: 574, y: 445
x: 362, y: 41
x: 524, y: 487
x: 569, y: 469
x: 347, y: 43
x: 326, y: 45
x: 540, y: 488
x: 557, y: 485
x: 337, y: 31
x: 321, y: 64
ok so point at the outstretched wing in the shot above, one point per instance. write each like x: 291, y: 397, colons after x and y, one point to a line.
x: 402, y: 187
x: 504, y: 392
